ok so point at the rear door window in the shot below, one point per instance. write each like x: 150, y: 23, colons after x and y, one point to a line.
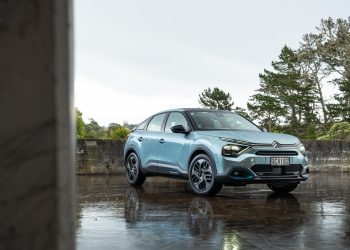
x: 156, y: 123
x: 142, y: 125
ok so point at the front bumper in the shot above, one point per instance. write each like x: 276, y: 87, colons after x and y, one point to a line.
x: 252, y: 167
x: 251, y: 179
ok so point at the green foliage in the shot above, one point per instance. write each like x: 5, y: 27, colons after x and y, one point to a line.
x: 283, y: 99
x: 264, y: 108
x: 339, y: 130
x: 80, y: 125
x: 290, y: 98
x: 332, y: 46
x: 315, y: 71
x: 216, y: 99
x: 94, y: 130
x: 324, y: 137
x: 111, y: 128
x: 335, y: 48
x: 120, y: 133
x: 311, y: 132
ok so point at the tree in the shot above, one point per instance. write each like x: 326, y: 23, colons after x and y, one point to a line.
x: 94, y: 130
x: 120, y: 133
x: 284, y: 96
x: 265, y: 108
x: 80, y: 125
x: 216, y: 99
x: 111, y: 128
x: 314, y: 70
x: 339, y: 130
x: 333, y: 45
x: 291, y: 97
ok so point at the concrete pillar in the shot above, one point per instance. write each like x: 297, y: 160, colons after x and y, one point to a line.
x: 36, y: 143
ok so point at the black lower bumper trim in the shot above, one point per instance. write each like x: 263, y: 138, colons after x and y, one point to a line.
x: 228, y: 180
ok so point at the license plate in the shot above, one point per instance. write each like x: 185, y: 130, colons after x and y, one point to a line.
x: 280, y: 161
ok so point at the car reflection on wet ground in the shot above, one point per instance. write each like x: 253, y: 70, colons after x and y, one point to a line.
x: 164, y: 214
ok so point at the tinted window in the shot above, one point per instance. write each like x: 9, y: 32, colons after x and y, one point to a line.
x: 156, y: 123
x: 175, y: 118
x: 221, y: 120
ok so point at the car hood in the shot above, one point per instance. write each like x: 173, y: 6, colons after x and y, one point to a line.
x: 253, y: 136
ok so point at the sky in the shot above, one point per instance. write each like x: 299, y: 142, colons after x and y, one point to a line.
x: 136, y: 58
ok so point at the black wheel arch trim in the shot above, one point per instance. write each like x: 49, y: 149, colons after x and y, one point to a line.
x: 208, y: 153
x: 127, y: 152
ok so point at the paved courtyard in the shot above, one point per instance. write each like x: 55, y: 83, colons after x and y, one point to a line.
x: 164, y: 214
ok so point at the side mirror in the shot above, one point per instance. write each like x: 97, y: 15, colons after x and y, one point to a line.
x: 264, y: 130
x: 179, y: 129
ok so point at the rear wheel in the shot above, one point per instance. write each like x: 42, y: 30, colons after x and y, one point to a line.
x: 283, y: 188
x: 202, y: 176
x: 132, y: 170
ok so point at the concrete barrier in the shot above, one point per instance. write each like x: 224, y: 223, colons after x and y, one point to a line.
x: 106, y: 156
x: 328, y: 156
x: 98, y: 156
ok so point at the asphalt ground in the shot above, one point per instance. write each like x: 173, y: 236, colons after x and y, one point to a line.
x: 165, y: 214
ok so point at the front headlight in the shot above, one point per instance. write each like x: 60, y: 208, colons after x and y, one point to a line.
x: 302, y: 149
x: 232, y: 150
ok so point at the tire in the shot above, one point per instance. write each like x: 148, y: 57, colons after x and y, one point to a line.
x: 133, y: 172
x: 201, y: 176
x: 283, y: 188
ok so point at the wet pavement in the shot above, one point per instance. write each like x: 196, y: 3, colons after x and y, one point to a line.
x: 164, y: 214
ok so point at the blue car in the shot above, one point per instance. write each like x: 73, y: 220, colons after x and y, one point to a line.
x: 212, y: 148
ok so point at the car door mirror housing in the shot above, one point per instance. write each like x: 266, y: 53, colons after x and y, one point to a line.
x: 179, y: 129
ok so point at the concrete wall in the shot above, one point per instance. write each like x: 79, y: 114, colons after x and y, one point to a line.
x: 99, y: 156
x: 106, y: 156
x: 328, y: 156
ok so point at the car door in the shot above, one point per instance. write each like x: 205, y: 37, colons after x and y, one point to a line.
x: 173, y: 151
x: 149, y: 143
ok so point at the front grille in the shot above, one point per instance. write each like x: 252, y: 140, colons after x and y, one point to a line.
x: 279, y: 153
x: 267, y: 170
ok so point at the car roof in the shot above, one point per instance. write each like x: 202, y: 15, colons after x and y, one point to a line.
x: 191, y: 109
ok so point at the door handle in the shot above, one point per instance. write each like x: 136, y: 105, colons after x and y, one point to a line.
x: 140, y: 139
x: 162, y: 140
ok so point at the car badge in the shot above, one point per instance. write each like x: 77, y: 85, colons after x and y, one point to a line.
x: 276, y: 144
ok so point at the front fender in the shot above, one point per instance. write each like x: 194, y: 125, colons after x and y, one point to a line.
x: 210, y: 149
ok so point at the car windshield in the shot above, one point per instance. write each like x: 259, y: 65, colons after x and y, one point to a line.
x: 221, y: 120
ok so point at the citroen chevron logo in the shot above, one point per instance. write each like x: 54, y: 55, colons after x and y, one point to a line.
x: 276, y: 144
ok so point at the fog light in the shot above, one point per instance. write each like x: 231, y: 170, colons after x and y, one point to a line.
x: 241, y: 174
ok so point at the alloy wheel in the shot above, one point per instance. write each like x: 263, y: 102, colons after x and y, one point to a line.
x: 132, y: 167
x: 202, y: 175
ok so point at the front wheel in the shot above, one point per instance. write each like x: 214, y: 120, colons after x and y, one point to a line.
x: 283, y: 188
x: 132, y: 170
x: 202, y: 176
